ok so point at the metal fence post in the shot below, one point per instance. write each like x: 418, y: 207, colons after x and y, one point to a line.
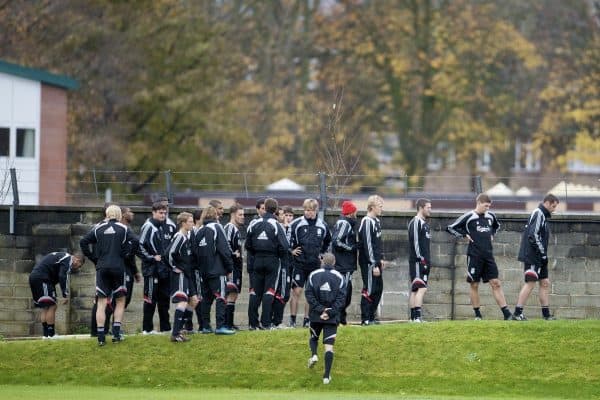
x: 15, y: 203
x: 322, y: 194
x: 477, y: 184
x: 95, y: 182
x: 168, y: 186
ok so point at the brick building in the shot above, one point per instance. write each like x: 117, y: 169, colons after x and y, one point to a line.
x: 33, y: 134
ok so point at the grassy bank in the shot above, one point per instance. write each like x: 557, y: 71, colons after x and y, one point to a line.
x: 536, y: 359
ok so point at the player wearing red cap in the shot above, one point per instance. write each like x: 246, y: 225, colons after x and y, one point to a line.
x: 344, y: 248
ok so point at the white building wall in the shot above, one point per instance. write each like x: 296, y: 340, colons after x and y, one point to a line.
x: 20, y: 101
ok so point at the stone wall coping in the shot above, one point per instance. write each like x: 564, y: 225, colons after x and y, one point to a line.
x: 506, y: 215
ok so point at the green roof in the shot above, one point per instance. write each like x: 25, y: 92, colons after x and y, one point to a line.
x: 40, y: 75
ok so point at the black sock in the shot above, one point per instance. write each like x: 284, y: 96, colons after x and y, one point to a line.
x: 229, y: 311
x: 328, y: 363
x: 45, y: 327
x: 505, y: 311
x: 313, y: 344
x: 116, y: 329
x: 412, y: 314
x: 545, y: 311
x: 51, y: 330
x: 477, y: 312
x: 188, y: 322
x: 178, y: 321
x: 101, y: 337
x: 518, y: 310
x: 417, y: 312
x: 293, y: 319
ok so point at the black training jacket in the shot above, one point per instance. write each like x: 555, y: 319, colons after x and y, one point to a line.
x: 370, y: 246
x: 534, y: 241
x: 133, y: 250
x: 154, y: 240
x: 54, y: 268
x: 325, y: 289
x: 265, y: 236
x: 110, y: 240
x: 181, y: 254
x: 419, y: 239
x: 212, y: 250
x: 232, y: 233
x: 313, y: 237
x: 481, y: 228
x: 344, y: 245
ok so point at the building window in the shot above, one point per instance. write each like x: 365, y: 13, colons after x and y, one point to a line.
x: 484, y: 160
x: 580, y: 166
x: 25, y: 142
x: 4, y: 142
x: 526, y: 158
x: 443, y: 156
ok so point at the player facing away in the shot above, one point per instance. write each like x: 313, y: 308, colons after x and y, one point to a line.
x: 534, y: 255
x: 266, y: 241
x: 285, y: 216
x: 215, y: 262
x: 112, y: 242
x: 325, y: 295
x: 479, y: 227
x: 419, y: 261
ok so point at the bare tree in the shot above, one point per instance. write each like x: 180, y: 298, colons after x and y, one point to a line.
x: 341, y: 148
x: 5, y: 180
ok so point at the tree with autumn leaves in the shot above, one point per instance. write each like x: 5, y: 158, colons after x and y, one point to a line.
x: 299, y: 86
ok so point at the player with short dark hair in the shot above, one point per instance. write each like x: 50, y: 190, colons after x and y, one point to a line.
x: 419, y: 260
x: 266, y: 242
x: 54, y: 268
x: 534, y: 255
x: 285, y: 216
x: 155, y: 237
x: 260, y: 211
x: 479, y: 227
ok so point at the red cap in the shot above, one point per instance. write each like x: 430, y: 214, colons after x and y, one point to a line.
x: 348, y: 207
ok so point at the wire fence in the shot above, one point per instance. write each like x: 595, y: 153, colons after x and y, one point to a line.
x: 195, y: 188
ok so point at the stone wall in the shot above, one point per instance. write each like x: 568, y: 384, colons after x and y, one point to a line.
x: 574, y: 269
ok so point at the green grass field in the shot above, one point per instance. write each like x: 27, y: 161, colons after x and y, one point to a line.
x: 470, y: 359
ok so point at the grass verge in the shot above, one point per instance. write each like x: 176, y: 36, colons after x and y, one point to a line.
x: 537, y: 359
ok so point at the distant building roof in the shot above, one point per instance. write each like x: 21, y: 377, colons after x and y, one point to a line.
x: 39, y: 75
x: 285, y: 184
x: 524, y: 191
x: 499, y: 189
x: 574, y: 190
